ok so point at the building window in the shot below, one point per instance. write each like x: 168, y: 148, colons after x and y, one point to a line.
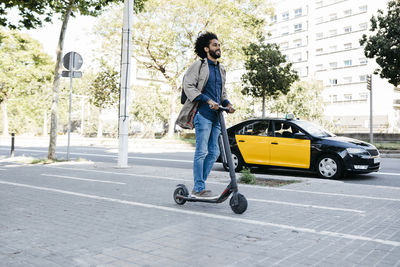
x: 333, y: 81
x: 332, y: 32
x: 348, y: 62
x: 363, y: 8
x: 284, y: 45
x: 333, y: 98
x: 319, y: 51
x: 297, y: 57
x: 274, y: 18
x: 298, y: 12
x: 333, y: 64
x: 347, y: 12
x: 297, y: 42
x: 319, y: 20
x: 285, y: 15
x: 348, y: 97
x: 285, y: 30
x: 363, y: 95
x: 319, y: 66
x: 332, y: 16
x: 319, y: 4
x: 347, y: 46
x: 319, y: 35
x: 333, y: 48
x: 363, y: 78
x: 298, y: 70
x: 347, y: 79
x: 298, y: 27
x: 363, y: 61
x: 363, y: 26
x: 347, y: 29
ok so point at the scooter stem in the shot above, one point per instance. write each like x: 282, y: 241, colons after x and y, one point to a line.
x: 227, y: 149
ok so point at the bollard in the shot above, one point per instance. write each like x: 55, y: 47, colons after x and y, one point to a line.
x: 12, y: 144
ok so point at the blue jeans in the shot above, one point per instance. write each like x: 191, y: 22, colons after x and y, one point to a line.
x: 207, y: 150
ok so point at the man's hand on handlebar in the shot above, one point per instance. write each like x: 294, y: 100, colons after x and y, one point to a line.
x: 231, y: 109
x: 213, y: 105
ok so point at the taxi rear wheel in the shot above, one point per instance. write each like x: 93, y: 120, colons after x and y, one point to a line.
x: 329, y: 167
x: 237, y: 162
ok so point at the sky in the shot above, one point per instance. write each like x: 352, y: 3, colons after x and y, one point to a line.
x: 77, y: 38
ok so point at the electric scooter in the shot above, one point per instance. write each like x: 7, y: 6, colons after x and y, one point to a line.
x: 237, y: 202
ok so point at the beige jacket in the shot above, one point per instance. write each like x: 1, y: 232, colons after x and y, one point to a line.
x: 194, y: 82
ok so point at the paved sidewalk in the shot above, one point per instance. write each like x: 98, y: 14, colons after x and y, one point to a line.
x: 84, y: 214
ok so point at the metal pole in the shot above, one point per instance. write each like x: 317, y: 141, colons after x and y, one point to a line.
x: 71, y: 63
x: 12, y: 144
x: 371, y: 131
x: 123, y: 125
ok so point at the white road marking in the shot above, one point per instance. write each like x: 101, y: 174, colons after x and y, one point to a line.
x: 388, y: 173
x: 241, y: 185
x: 81, y: 179
x: 213, y: 216
x: 303, y: 205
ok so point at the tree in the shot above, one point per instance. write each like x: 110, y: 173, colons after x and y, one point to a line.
x: 104, y: 91
x: 25, y: 70
x: 30, y: 17
x: 267, y: 72
x: 303, y: 100
x: 164, y: 35
x: 383, y: 45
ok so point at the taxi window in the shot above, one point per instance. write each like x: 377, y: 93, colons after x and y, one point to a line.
x: 284, y: 129
x: 260, y: 128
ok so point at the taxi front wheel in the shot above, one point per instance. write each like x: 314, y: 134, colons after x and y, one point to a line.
x: 329, y: 166
x: 237, y: 162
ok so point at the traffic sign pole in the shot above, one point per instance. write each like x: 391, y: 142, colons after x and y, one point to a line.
x: 72, y: 61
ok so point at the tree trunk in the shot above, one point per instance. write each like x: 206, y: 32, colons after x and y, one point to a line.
x: 172, y: 113
x: 56, y: 83
x: 5, y: 117
x: 100, y: 125
x: 263, y: 105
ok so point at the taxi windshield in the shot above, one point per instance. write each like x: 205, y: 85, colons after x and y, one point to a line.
x: 313, y: 129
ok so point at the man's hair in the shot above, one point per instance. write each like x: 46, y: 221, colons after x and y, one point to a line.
x: 203, y: 41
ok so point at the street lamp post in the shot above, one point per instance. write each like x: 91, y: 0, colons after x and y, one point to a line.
x: 123, y: 123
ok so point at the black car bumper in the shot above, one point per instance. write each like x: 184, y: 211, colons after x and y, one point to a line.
x: 361, y: 165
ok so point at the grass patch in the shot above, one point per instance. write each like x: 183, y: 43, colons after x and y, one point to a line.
x: 50, y: 161
x: 388, y: 145
x: 246, y: 177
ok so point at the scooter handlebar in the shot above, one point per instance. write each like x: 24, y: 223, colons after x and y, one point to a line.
x: 221, y: 108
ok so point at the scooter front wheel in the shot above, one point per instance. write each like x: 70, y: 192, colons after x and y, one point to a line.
x: 180, y: 191
x: 241, y: 206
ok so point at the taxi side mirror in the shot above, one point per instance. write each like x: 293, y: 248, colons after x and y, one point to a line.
x: 300, y: 136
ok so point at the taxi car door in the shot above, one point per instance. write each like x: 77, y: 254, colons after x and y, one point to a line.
x: 286, y: 150
x: 253, y: 142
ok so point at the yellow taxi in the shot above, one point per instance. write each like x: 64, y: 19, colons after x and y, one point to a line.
x: 293, y: 143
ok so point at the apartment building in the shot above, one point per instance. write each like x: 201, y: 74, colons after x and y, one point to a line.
x: 321, y: 39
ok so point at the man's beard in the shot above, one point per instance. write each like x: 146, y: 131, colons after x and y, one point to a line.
x: 213, y: 54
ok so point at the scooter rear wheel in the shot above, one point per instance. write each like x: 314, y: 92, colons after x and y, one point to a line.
x: 241, y: 206
x: 179, y: 191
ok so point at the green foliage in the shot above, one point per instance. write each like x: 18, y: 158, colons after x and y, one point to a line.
x: 104, y: 89
x: 246, y: 177
x: 267, y: 72
x: 32, y: 13
x: 383, y: 45
x: 165, y: 33
x: 303, y: 100
x: 25, y: 75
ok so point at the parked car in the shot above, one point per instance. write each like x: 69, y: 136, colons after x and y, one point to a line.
x: 299, y: 144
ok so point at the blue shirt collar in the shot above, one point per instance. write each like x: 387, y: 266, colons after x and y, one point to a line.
x: 210, y: 62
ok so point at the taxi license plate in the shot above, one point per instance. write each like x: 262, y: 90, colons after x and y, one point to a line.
x: 377, y: 160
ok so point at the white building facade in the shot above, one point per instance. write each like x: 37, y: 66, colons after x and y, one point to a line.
x: 321, y: 39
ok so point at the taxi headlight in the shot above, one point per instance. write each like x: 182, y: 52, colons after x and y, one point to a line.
x: 353, y: 151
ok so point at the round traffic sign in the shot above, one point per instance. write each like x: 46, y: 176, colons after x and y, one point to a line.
x: 72, y: 61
